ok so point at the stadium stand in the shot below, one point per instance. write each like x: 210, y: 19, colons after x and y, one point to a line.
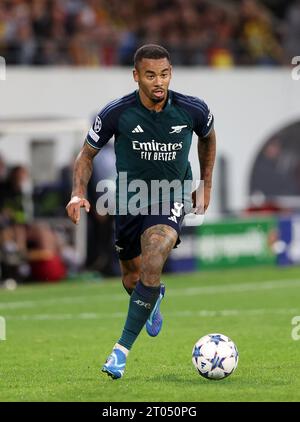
x: 107, y: 32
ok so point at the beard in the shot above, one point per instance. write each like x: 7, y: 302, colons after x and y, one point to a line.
x: 157, y: 100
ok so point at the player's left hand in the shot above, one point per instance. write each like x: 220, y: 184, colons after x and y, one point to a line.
x: 201, y: 199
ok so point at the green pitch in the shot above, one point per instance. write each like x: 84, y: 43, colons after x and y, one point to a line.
x: 59, y: 336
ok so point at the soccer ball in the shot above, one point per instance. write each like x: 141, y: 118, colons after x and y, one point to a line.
x: 215, y: 356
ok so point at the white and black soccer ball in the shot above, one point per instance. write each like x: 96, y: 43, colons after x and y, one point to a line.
x: 215, y: 356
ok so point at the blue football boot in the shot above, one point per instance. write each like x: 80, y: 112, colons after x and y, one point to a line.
x: 115, y: 364
x: 155, y: 320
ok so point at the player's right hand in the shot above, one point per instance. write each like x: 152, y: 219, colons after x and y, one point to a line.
x: 73, y: 208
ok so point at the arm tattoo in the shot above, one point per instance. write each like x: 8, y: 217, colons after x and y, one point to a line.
x: 207, y: 154
x: 83, y: 168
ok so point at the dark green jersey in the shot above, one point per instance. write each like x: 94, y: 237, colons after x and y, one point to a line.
x: 151, y: 146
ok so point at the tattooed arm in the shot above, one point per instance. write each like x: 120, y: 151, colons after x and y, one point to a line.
x: 206, y: 155
x: 83, y: 168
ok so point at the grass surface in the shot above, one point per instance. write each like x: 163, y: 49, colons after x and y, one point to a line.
x: 58, y: 337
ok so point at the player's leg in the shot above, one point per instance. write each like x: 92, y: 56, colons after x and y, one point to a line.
x: 129, y: 250
x: 155, y: 319
x: 131, y: 273
x: 156, y: 243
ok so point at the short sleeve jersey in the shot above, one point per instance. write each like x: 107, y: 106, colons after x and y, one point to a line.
x: 149, y: 145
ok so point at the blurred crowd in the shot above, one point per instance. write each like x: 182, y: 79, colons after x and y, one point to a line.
x: 30, y: 248
x: 37, y: 241
x: 107, y: 32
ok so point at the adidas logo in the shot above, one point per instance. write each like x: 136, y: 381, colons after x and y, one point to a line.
x: 138, y: 129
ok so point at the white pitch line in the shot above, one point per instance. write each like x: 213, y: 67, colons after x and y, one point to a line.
x: 177, y: 314
x: 44, y: 302
x: 236, y: 288
x: 190, y: 291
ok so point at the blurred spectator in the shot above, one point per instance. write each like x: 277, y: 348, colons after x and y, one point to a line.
x: 13, y: 217
x: 258, y: 204
x: 274, y: 171
x: 258, y: 36
x: 223, y: 50
x: 3, y: 170
x: 107, y: 32
x: 292, y: 31
x: 15, y: 197
x: 44, y: 254
x: 28, y: 249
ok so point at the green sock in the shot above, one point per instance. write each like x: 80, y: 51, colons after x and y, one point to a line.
x: 142, y: 301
